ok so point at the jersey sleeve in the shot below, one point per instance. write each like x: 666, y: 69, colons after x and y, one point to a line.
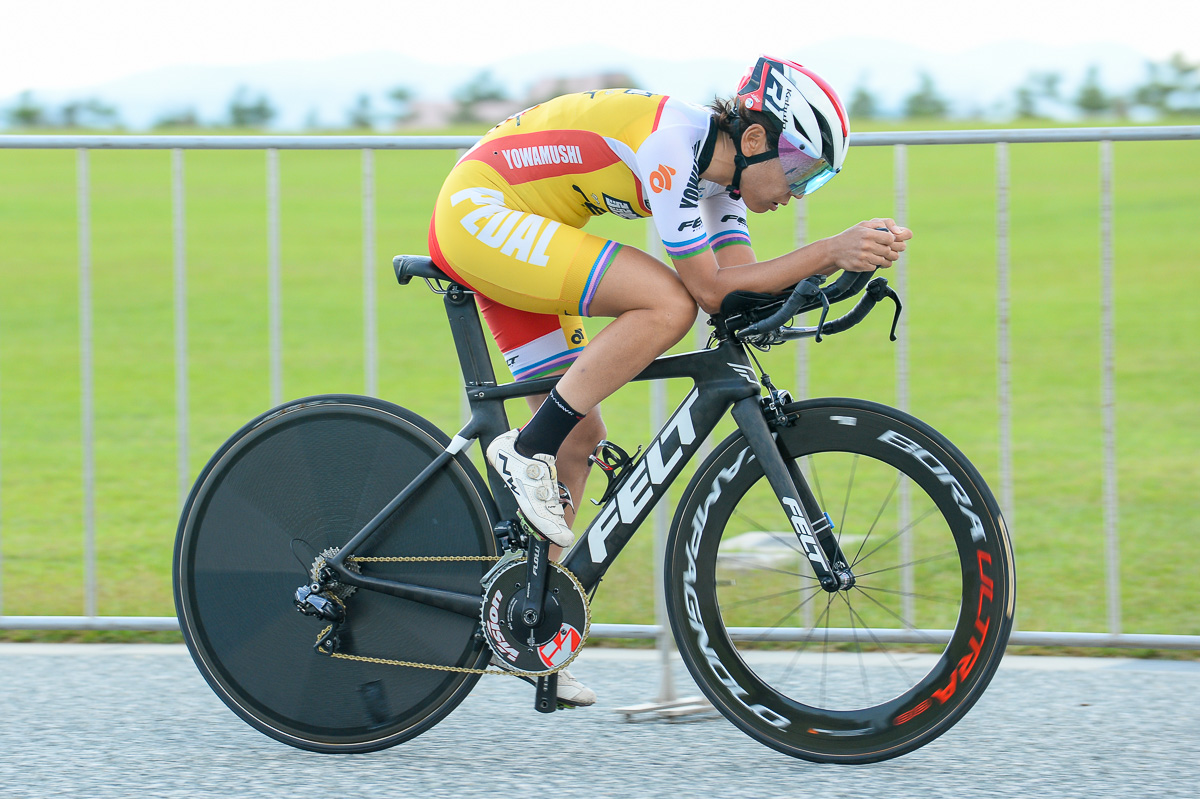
x: 724, y: 218
x: 666, y: 162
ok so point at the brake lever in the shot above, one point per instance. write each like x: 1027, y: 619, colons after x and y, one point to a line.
x: 894, y: 297
x: 824, y: 315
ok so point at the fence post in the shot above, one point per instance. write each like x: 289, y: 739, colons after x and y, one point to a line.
x: 86, y: 382
x: 1004, y: 334
x: 904, y: 508
x: 370, y: 322
x: 1108, y: 389
x: 658, y: 417
x: 799, y: 240
x: 1, y: 516
x: 274, y: 304
x: 181, y: 326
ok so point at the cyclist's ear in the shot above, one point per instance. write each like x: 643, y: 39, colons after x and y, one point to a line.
x: 754, y: 140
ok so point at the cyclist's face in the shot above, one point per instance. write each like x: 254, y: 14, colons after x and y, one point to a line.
x: 764, y: 187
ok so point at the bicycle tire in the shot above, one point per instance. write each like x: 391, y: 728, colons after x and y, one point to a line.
x: 298, y: 479
x: 864, y: 674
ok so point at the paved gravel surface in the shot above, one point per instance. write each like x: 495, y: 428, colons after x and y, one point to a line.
x: 102, y: 721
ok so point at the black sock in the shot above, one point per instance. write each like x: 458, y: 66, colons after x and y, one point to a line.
x: 548, y: 428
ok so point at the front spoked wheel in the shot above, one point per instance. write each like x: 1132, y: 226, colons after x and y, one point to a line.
x: 878, y: 668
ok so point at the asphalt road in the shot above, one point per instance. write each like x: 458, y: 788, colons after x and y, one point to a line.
x: 103, y: 721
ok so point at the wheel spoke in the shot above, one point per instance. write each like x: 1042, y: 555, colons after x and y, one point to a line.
x: 880, y: 644
x: 932, y: 598
x: 907, y: 624
x: 879, y: 515
x: 755, y: 525
x: 897, y: 534
x: 741, y: 603
x: 757, y: 566
x: 862, y: 666
x: 846, y: 502
x: 779, y: 622
x: 816, y: 479
x: 821, y: 624
x: 918, y: 562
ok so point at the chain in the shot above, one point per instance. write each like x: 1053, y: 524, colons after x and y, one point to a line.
x: 458, y: 669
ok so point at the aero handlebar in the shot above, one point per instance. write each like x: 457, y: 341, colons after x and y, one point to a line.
x: 809, y: 295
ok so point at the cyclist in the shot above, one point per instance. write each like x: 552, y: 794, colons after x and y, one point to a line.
x: 509, y: 224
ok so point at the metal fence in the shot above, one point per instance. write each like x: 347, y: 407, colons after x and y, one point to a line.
x: 83, y: 145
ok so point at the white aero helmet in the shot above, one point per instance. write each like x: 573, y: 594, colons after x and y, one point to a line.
x: 815, y: 131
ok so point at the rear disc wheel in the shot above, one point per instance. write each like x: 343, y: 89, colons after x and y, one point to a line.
x: 300, y: 481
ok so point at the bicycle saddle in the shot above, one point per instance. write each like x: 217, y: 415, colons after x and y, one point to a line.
x: 409, y: 266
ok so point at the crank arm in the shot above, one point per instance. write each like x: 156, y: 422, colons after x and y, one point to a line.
x: 535, y: 585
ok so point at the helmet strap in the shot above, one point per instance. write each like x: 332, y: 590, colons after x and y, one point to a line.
x: 741, y: 161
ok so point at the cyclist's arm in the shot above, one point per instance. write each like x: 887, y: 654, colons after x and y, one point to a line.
x: 858, y: 249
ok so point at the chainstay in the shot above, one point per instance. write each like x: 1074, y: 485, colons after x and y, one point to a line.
x: 460, y: 669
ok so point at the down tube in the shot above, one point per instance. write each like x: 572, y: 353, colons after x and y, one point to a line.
x: 647, y: 483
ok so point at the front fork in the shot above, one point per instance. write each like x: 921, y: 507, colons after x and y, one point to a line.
x: 811, y: 526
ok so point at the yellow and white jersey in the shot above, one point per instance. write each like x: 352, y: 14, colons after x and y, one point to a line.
x: 621, y: 151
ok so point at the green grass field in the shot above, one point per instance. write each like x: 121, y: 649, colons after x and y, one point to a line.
x: 950, y: 305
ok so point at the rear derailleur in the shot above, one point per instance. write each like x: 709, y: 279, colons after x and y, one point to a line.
x: 324, y: 598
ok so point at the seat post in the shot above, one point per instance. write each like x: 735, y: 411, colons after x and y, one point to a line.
x: 469, y: 341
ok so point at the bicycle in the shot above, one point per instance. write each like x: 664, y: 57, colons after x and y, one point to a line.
x: 414, y: 572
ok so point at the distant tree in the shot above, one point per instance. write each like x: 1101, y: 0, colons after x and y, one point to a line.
x: 863, y: 104
x: 1156, y: 90
x: 1091, y: 98
x: 925, y: 102
x: 180, y: 118
x: 1185, y: 99
x: 90, y: 113
x: 1026, y: 103
x: 1172, y: 87
x: 245, y: 112
x: 360, y: 115
x: 402, y: 98
x: 1037, y: 87
x: 27, y: 113
x: 480, y: 89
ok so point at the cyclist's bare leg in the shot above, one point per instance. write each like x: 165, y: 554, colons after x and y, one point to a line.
x: 652, y: 311
x: 573, y: 464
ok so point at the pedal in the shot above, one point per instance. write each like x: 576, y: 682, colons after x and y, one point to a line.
x: 545, y: 700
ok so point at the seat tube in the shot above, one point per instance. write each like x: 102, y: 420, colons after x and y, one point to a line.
x: 748, y: 414
x: 463, y: 315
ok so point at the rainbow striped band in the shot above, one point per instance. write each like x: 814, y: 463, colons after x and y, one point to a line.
x: 686, y: 249
x: 727, y: 238
x: 548, y: 366
x: 603, y: 261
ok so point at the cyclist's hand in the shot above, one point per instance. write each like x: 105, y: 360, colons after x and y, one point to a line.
x: 902, y: 234
x: 864, y: 247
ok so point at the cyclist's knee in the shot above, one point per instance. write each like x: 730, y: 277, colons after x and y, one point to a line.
x: 677, y: 312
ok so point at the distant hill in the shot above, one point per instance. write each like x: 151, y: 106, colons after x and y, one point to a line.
x: 979, y: 80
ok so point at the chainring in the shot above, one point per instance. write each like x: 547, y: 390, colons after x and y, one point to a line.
x: 559, y: 636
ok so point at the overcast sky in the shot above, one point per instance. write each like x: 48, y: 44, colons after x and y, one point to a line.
x: 62, y: 44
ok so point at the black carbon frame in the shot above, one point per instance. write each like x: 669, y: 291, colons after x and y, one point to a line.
x: 722, y: 377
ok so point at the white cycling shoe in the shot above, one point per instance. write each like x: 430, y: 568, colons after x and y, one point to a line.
x: 534, y: 482
x: 571, y: 692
